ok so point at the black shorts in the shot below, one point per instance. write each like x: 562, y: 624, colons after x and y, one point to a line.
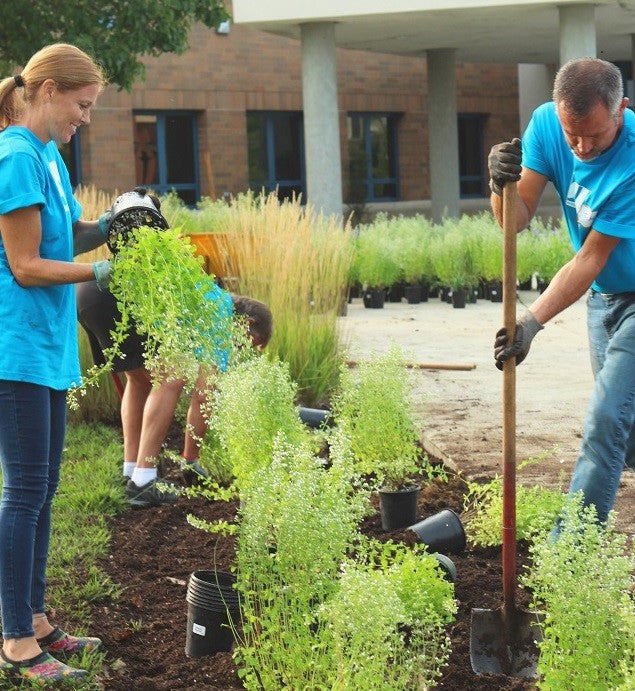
x: 97, y: 312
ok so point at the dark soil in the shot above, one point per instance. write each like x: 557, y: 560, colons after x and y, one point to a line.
x: 155, y: 550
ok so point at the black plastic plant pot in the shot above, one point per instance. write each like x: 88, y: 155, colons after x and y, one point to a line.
x: 448, y: 567
x: 398, y: 508
x: 459, y: 297
x: 442, y: 532
x: 413, y: 293
x: 315, y: 417
x: 213, y: 611
x: 374, y: 298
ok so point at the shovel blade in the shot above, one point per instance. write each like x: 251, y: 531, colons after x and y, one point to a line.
x: 505, y: 642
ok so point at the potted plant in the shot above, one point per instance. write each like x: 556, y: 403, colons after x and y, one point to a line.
x: 373, y: 409
x: 375, y: 265
x: 454, y: 264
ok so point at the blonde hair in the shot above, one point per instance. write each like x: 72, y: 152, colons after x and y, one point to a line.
x: 68, y: 66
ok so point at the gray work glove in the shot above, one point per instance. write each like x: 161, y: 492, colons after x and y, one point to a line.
x: 526, y: 328
x: 504, y: 163
x: 103, y: 272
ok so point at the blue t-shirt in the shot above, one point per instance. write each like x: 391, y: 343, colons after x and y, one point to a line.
x: 38, y: 325
x: 598, y: 194
x: 220, y: 332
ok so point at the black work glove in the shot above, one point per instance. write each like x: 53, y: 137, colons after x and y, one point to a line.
x: 504, y: 163
x: 526, y: 328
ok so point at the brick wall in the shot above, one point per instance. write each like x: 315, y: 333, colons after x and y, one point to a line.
x: 224, y: 76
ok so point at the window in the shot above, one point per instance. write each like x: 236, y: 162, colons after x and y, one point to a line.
x: 276, y: 152
x: 372, y: 157
x: 472, y: 181
x: 166, y: 153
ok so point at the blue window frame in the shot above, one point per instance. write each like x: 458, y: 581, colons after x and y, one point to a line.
x: 373, y: 159
x: 166, y: 153
x: 472, y: 182
x: 275, y: 141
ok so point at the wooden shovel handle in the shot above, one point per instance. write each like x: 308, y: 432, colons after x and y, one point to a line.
x: 509, y: 397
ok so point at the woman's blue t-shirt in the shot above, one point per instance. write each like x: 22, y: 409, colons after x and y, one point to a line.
x: 38, y: 325
x: 598, y: 194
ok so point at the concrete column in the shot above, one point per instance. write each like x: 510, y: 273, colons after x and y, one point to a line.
x: 321, y: 121
x: 443, y: 134
x: 535, y: 83
x: 577, y: 32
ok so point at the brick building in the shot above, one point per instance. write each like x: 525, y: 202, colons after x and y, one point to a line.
x: 227, y: 115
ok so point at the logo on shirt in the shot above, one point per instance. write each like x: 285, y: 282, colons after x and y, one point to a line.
x: 576, y: 197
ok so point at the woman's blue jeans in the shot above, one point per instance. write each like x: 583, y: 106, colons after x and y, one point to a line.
x: 608, y: 442
x: 32, y: 426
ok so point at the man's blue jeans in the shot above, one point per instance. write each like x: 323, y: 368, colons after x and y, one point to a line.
x: 32, y: 426
x: 608, y: 442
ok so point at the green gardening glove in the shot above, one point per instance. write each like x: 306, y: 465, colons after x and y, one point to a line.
x: 103, y: 272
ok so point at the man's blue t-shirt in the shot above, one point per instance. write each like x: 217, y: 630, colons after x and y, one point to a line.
x: 38, y: 325
x: 598, y: 194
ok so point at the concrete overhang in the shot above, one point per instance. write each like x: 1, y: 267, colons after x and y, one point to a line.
x: 479, y: 31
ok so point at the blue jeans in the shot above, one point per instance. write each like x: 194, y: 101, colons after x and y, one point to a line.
x: 32, y: 426
x: 608, y: 442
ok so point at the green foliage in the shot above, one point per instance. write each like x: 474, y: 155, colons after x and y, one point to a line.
x: 388, y: 622
x: 88, y: 488
x: 536, y: 510
x: 160, y: 287
x: 374, y: 263
x: 554, y: 249
x: 297, y: 524
x: 373, y: 408
x: 117, y: 33
x: 101, y: 402
x: 582, y: 581
x: 209, y: 216
x: 252, y: 406
x: 410, y: 240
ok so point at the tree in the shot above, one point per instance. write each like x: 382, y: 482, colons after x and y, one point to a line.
x: 117, y: 33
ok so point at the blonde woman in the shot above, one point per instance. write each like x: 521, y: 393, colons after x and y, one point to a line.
x: 40, y: 231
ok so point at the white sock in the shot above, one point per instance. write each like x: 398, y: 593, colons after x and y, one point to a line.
x: 128, y: 468
x: 142, y: 476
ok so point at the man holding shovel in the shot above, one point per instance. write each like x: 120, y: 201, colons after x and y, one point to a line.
x: 583, y: 141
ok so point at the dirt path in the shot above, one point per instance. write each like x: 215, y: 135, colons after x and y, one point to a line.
x: 461, y: 410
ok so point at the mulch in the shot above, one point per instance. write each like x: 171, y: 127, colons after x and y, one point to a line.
x: 154, y: 551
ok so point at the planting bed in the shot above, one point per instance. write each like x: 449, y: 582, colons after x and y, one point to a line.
x: 154, y: 551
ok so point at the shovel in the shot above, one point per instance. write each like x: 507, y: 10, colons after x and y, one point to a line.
x: 504, y: 640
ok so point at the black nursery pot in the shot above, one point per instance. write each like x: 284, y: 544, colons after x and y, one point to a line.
x: 374, y: 298
x: 442, y: 532
x: 399, y: 508
x: 213, y: 610
x: 459, y: 297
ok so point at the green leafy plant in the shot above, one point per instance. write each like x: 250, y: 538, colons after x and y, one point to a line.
x: 375, y: 265
x: 253, y: 405
x: 388, y: 623
x: 296, y: 526
x: 582, y: 582
x: 161, y: 288
x: 374, y: 410
x: 537, y: 508
x: 452, y: 260
x: 554, y: 249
